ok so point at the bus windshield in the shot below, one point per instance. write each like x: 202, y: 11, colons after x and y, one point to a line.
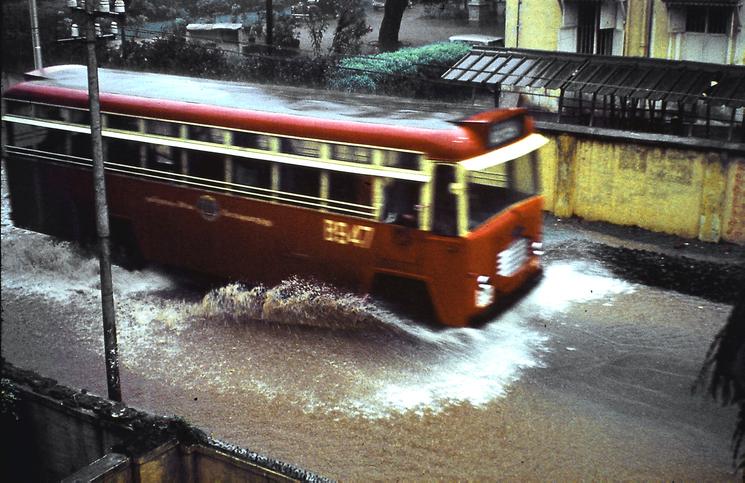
x: 492, y: 190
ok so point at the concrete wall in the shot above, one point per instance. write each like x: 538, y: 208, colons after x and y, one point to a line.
x: 539, y: 24
x: 690, y: 189
x: 53, y: 433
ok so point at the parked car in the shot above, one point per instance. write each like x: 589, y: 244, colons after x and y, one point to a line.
x: 478, y: 40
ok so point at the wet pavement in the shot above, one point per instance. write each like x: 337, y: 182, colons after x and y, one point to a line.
x: 589, y: 376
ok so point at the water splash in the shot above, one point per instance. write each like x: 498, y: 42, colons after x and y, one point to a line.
x: 321, y: 348
x: 40, y: 264
x: 570, y: 283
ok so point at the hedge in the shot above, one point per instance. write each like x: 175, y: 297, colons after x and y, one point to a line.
x: 406, y: 72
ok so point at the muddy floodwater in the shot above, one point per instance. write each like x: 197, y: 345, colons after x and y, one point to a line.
x: 589, y: 376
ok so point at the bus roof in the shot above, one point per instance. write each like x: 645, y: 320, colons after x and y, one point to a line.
x: 353, y: 118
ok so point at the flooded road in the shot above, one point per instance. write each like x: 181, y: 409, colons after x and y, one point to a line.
x: 589, y: 376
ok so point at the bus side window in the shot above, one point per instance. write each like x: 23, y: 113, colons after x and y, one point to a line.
x: 162, y: 128
x: 350, y: 188
x: 351, y: 154
x: 251, y: 140
x: 299, y: 180
x: 80, y: 145
x: 403, y: 160
x: 121, y: 151
x: 301, y: 147
x: 122, y: 123
x: 252, y: 173
x: 54, y: 141
x: 26, y: 136
x: 51, y: 113
x: 19, y: 108
x: 163, y: 158
x: 401, y: 201
x: 206, y: 165
x: 206, y: 134
x: 79, y: 116
x: 445, y: 220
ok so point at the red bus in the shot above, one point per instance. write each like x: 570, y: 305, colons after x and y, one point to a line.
x: 234, y: 181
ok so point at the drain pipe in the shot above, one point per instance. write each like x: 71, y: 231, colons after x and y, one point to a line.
x: 35, y: 40
x: 517, y: 30
x: 649, y: 24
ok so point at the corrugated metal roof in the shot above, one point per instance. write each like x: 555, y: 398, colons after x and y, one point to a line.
x: 635, y: 77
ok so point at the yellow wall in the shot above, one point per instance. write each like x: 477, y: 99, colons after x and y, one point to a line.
x: 539, y: 24
x: 635, y: 38
x: 660, y: 31
x: 693, y: 194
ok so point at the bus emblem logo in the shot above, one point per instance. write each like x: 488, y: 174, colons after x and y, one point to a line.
x: 208, y: 207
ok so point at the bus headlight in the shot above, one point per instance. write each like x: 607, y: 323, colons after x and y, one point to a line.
x: 484, y: 292
x: 537, y: 248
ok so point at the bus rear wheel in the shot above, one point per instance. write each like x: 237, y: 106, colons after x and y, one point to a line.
x: 405, y: 296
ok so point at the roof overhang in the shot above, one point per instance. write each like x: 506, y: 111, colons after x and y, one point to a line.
x: 536, y: 71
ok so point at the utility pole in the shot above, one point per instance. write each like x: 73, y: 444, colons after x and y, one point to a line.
x: 269, y: 23
x: 88, y: 14
x: 35, y: 40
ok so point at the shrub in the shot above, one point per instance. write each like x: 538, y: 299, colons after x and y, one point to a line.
x: 410, y: 71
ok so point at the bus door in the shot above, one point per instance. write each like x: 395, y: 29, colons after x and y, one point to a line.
x: 402, y: 215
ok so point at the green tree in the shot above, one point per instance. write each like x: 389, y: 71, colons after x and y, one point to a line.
x: 317, y: 24
x: 350, y: 28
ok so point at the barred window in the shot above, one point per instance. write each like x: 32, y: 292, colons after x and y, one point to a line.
x: 712, y: 20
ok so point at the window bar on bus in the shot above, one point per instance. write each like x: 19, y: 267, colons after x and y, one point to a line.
x: 68, y: 137
x: 227, y: 139
x: 378, y: 185
x: 426, y: 196
x: 461, y: 199
x: 143, y: 146
x: 324, y: 154
x: 347, y: 208
x: 184, y: 155
x: 324, y: 189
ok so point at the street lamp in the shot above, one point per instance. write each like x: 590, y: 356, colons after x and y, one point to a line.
x: 87, y: 15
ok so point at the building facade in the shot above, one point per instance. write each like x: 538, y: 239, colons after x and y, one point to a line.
x: 231, y: 37
x: 695, y: 30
